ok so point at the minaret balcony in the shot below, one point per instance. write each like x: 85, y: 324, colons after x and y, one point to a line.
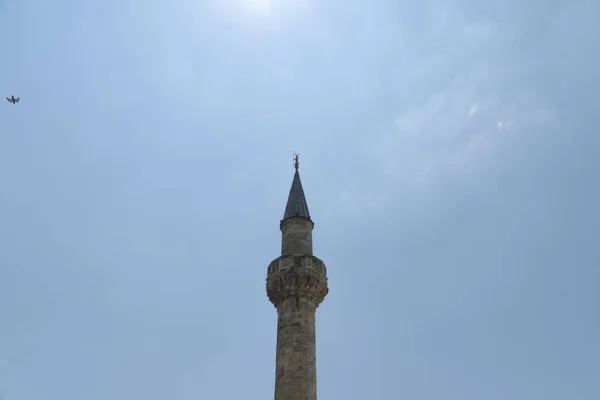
x: 297, y: 262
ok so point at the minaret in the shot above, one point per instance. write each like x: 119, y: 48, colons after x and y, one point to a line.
x: 296, y: 285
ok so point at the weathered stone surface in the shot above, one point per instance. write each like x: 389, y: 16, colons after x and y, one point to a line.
x: 296, y: 354
x: 296, y: 292
x: 297, y: 261
x: 297, y: 282
x: 296, y: 236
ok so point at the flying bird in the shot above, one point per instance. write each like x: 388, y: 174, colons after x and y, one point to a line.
x: 13, y: 99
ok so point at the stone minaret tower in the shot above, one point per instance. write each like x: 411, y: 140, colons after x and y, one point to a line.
x: 296, y: 285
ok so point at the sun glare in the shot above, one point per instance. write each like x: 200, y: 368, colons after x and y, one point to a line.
x: 262, y: 6
x: 273, y: 12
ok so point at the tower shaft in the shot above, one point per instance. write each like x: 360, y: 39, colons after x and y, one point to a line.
x: 296, y: 369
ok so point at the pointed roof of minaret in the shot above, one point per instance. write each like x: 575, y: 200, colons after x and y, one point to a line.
x: 296, y: 205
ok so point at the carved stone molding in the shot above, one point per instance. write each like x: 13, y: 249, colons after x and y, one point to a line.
x: 299, y: 282
x: 297, y: 261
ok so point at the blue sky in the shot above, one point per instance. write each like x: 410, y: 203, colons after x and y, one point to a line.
x: 448, y: 151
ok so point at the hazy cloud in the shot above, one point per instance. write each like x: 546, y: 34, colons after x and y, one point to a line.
x: 448, y: 152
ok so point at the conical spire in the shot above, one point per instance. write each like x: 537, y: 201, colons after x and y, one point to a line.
x: 296, y: 205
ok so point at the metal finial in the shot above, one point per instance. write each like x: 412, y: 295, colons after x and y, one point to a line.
x: 296, y: 163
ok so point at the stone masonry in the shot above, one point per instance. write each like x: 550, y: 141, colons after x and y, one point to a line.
x: 296, y: 285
